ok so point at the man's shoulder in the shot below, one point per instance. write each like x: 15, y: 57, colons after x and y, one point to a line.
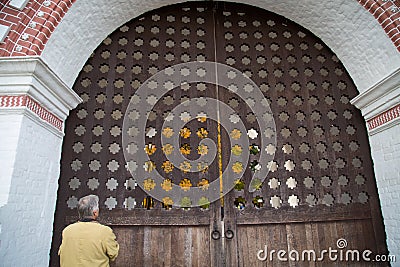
x: 96, y: 225
x: 71, y: 226
x: 103, y: 227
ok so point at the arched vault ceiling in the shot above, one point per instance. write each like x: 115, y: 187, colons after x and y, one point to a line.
x: 345, y: 26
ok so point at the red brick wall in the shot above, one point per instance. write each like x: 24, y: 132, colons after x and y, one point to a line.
x: 32, y: 27
x: 387, y: 13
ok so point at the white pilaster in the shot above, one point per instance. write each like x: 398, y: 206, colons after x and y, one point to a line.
x: 34, y: 103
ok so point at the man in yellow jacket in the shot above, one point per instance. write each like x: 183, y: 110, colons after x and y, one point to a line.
x: 87, y: 242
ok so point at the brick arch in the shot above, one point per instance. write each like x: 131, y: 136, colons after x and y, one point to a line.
x: 351, y: 33
x: 31, y: 26
x: 387, y: 13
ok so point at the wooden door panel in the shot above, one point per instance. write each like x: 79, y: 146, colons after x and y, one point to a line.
x: 315, y: 236
x: 320, y: 181
x: 163, y: 246
x: 93, y: 161
x: 321, y: 155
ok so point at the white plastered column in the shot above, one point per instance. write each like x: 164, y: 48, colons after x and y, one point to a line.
x: 34, y: 103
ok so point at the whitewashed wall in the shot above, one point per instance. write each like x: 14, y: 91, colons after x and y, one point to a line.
x: 30, y: 154
x: 26, y: 216
x: 386, y: 156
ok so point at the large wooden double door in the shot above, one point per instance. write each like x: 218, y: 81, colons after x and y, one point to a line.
x: 320, y: 185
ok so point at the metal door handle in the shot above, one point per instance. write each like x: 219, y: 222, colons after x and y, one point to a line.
x: 229, y: 234
x: 215, y: 235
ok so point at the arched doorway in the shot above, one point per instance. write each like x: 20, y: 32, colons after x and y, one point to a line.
x: 320, y: 185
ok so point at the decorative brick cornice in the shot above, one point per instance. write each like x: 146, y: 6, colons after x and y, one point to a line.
x: 30, y: 76
x: 10, y: 101
x: 384, y: 117
x: 380, y: 104
x: 18, y: 101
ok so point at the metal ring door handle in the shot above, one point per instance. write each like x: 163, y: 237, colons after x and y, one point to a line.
x: 229, y: 234
x: 215, y: 235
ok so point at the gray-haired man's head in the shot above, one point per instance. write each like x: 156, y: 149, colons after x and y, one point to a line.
x: 88, y: 207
